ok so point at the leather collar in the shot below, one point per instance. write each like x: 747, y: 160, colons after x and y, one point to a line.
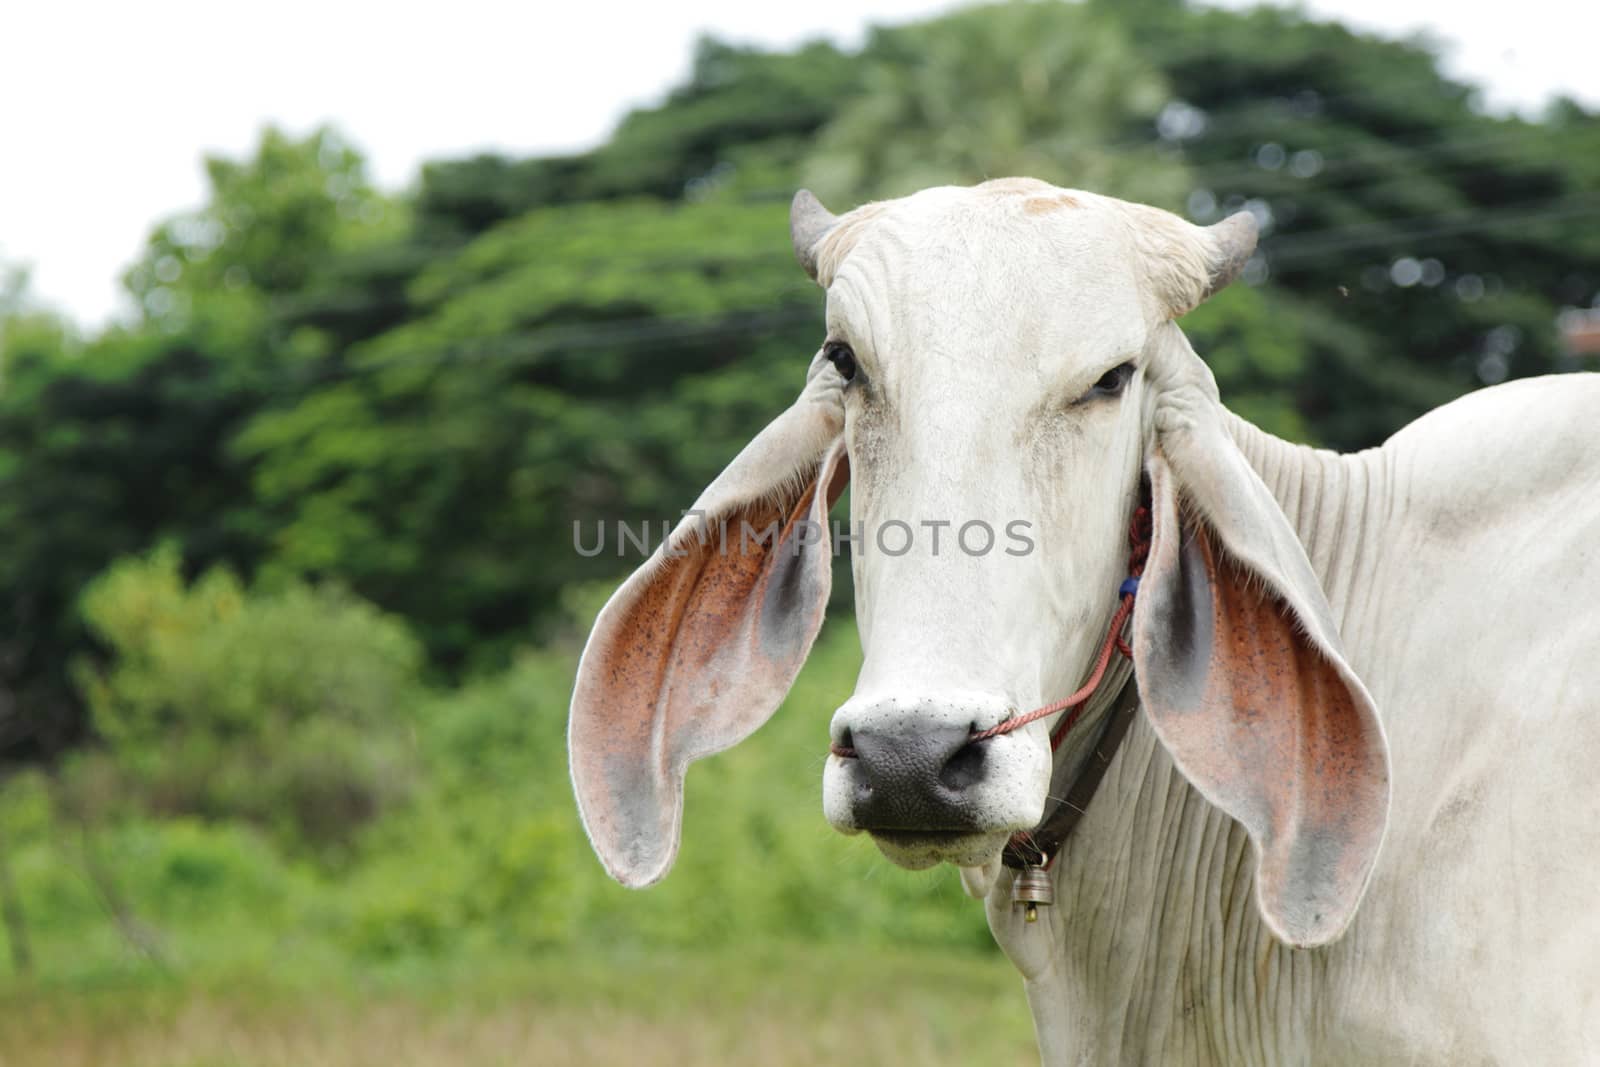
x: 1040, y: 846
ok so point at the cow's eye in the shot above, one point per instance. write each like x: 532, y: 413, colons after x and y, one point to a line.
x: 1112, y: 381
x: 842, y: 358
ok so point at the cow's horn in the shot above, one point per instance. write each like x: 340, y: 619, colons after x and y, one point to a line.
x: 809, y: 223
x: 1233, y: 242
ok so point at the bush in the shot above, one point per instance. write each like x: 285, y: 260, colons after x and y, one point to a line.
x: 492, y: 854
x: 291, y: 709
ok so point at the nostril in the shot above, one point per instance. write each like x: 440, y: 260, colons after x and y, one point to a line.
x: 845, y: 747
x: 964, y: 769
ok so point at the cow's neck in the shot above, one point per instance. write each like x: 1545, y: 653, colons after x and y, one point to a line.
x: 1155, y: 952
x: 1331, y: 500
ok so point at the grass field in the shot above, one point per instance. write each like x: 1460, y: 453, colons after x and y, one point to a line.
x: 789, y: 1005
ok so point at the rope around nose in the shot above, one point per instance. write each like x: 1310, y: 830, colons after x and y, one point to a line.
x: 1138, y: 554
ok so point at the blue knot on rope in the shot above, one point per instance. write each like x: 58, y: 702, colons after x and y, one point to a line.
x: 1130, y: 587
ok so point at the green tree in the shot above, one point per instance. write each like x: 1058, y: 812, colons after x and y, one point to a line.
x: 1044, y: 90
x: 270, y: 224
x: 113, y: 444
x: 740, y: 123
x: 420, y: 398
x: 1420, y: 246
x: 583, y: 365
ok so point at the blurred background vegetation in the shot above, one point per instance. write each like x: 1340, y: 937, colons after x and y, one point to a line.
x: 289, y: 605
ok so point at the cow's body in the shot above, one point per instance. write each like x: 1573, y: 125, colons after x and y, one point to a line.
x: 1462, y: 560
x: 1361, y: 678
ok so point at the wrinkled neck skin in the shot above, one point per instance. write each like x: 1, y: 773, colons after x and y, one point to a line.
x: 1154, y: 952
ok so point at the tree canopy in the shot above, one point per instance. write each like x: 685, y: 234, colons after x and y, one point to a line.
x: 418, y: 396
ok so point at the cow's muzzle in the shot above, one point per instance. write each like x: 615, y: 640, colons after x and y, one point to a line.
x: 927, y: 792
x: 915, y: 782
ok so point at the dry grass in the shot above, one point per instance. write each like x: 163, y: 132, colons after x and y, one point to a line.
x: 780, y: 1010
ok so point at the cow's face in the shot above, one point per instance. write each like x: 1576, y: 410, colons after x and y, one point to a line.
x: 1000, y: 369
x: 996, y: 343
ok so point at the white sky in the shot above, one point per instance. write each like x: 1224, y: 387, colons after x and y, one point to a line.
x: 106, y: 108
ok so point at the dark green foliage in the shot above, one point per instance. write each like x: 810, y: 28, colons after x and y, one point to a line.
x: 104, y: 450
x: 579, y: 365
x: 1427, y: 246
x: 741, y: 109
x: 421, y: 399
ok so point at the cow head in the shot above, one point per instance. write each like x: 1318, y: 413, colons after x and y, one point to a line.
x: 1000, y: 375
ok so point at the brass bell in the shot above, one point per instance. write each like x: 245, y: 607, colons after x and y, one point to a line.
x: 1031, y: 888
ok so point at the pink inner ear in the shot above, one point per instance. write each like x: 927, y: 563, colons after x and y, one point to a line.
x: 1264, y: 724
x: 690, y: 657
x: 745, y: 622
x: 1295, y: 722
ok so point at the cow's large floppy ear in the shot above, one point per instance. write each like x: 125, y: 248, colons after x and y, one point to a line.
x: 699, y: 646
x: 1242, y: 674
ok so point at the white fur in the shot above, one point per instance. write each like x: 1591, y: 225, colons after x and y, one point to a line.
x: 1461, y: 564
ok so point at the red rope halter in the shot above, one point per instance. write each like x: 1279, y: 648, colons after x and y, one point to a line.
x: 1138, y: 554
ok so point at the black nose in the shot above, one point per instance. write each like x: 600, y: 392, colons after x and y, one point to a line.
x: 915, y: 780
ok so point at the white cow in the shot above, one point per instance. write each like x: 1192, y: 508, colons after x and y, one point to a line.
x: 1333, y: 653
